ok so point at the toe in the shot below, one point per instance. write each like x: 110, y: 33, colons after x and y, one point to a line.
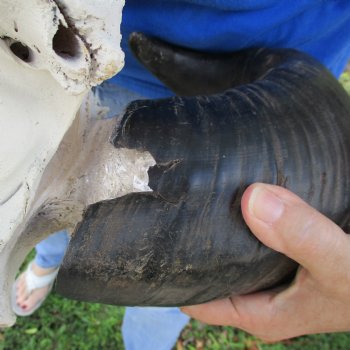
x: 21, y: 291
x: 34, y: 298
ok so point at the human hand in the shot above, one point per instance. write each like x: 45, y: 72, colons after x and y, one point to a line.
x: 318, y: 300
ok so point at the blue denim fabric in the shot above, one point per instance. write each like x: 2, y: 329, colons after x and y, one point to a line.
x: 50, y: 251
x: 152, y: 328
x: 148, y: 328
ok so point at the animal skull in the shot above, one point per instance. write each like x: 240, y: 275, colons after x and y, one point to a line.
x: 51, y: 157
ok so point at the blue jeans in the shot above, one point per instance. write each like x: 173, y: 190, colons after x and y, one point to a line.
x: 50, y: 251
x: 144, y: 328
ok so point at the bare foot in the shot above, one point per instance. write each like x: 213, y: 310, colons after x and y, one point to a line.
x: 25, y: 300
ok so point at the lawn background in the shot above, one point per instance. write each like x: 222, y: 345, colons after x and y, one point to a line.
x: 62, y: 324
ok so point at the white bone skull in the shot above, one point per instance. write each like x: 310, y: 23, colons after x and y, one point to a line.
x: 53, y: 160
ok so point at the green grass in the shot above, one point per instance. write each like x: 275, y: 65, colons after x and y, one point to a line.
x: 345, y: 80
x: 62, y: 324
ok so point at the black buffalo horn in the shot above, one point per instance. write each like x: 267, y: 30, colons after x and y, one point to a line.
x: 260, y: 115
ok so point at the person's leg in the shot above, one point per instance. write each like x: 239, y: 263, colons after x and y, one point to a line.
x: 50, y: 251
x: 49, y: 255
x: 150, y: 328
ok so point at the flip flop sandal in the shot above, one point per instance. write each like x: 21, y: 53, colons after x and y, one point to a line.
x: 33, y: 282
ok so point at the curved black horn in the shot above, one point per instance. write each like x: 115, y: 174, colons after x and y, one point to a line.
x: 287, y: 122
x: 191, y: 73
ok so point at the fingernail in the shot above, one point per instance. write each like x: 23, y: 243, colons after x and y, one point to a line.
x: 265, y: 205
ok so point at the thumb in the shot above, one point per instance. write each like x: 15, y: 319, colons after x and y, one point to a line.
x: 284, y: 222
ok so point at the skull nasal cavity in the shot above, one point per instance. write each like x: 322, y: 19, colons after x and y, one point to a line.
x: 65, y: 43
x: 21, y: 51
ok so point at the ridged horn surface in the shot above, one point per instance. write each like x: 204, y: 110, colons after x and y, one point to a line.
x: 186, y: 242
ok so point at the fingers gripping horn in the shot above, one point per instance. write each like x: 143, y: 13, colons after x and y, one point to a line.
x: 268, y: 115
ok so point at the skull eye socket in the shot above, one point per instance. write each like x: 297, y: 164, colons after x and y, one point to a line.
x: 22, y: 51
x: 65, y: 43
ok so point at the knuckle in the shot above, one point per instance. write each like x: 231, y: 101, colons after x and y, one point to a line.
x: 305, y: 231
x: 313, y: 235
